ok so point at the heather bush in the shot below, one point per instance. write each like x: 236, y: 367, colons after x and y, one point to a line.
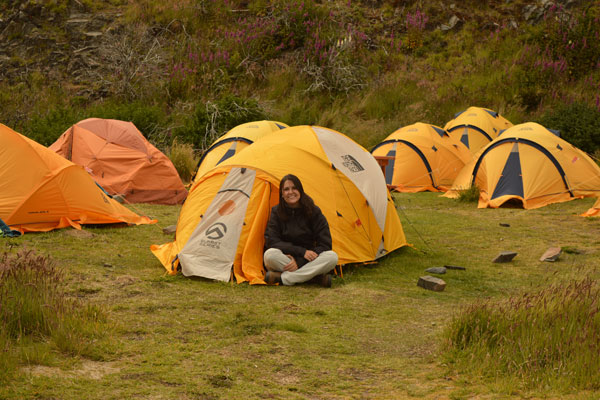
x: 550, y: 337
x: 578, y: 124
x: 213, y: 119
x: 184, y: 159
x: 35, y: 309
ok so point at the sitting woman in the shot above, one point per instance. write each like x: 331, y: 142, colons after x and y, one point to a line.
x: 297, y: 239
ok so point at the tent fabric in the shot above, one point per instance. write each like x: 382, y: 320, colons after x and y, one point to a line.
x: 529, y: 163
x: 594, y: 211
x: 423, y: 157
x: 234, y: 141
x: 41, y: 191
x: 343, y: 179
x: 476, y: 127
x: 122, y: 161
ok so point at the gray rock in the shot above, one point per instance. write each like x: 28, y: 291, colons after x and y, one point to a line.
x: 551, y: 254
x: 455, y: 267
x: 453, y: 22
x: 436, y: 270
x: 505, y: 256
x: 431, y: 283
x: 169, y: 230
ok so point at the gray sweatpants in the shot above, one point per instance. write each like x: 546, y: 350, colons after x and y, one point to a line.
x: 275, y: 260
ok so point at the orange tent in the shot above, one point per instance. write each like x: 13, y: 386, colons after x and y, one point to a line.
x: 476, y: 127
x: 41, y: 191
x: 594, y: 211
x: 122, y: 161
x: 421, y: 157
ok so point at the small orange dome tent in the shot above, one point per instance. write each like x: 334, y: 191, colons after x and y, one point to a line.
x: 530, y: 164
x: 422, y: 157
x: 122, y: 161
x: 235, y: 141
x: 476, y: 127
x: 41, y: 191
x: 594, y: 211
x: 222, y: 223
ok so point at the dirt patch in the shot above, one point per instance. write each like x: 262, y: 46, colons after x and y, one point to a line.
x: 86, y: 369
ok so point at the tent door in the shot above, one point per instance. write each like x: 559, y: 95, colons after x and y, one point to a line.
x: 211, y: 249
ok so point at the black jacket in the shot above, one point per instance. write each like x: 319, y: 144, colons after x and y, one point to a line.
x: 298, y: 234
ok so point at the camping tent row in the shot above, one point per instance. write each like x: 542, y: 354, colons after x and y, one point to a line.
x: 421, y: 157
x: 122, y: 161
x: 220, y: 230
x: 41, y: 191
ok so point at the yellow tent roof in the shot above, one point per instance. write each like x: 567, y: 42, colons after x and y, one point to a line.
x: 343, y: 178
x: 531, y: 164
x: 41, y: 191
x: 235, y: 141
x: 476, y: 127
x: 422, y: 157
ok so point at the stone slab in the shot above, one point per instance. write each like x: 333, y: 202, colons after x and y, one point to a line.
x: 504, y: 257
x: 551, y: 254
x: 436, y: 270
x: 431, y: 283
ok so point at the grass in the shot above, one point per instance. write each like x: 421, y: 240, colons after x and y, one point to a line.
x: 375, y: 334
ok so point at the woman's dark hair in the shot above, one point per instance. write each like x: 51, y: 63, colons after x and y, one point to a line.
x: 306, y: 203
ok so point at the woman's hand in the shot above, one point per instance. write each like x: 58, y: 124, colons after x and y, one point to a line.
x: 310, y: 255
x: 291, y: 266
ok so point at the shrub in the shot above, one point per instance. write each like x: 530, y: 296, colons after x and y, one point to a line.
x: 578, y: 124
x: 470, y: 195
x: 544, y: 338
x: 46, y: 128
x: 213, y: 119
x: 184, y: 159
x: 35, y: 309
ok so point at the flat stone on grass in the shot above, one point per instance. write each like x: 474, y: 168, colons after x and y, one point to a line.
x: 551, y: 254
x: 431, y: 283
x: 436, y: 270
x: 504, y: 257
x: 169, y: 229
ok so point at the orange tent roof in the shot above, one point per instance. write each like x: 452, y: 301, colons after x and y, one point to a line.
x: 122, y: 161
x: 41, y: 191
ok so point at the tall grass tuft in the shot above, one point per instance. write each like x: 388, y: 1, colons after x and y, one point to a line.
x: 469, y: 195
x: 551, y: 337
x: 36, y: 316
x: 184, y: 159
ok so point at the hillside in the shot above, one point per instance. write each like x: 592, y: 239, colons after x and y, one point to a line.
x: 196, y: 69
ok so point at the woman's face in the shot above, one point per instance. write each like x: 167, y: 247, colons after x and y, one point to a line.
x: 290, y: 194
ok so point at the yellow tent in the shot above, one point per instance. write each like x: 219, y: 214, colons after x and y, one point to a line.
x: 421, y: 157
x: 476, y: 127
x: 41, y: 191
x: 594, y: 211
x: 233, y: 142
x: 222, y: 222
x: 530, y: 164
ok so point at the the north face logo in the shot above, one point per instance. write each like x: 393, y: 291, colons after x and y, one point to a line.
x: 351, y: 163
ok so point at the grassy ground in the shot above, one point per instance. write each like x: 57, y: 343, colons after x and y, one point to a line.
x: 374, y: 335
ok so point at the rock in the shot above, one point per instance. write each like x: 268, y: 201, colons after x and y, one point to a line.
x: 431, y: 283
x: 505, y: 256
x: 505, y: 225
x: 436, y: 270
x: 551, y: 254
x: 453, y: 22
x: 169, y: 229
x: 455, y: 267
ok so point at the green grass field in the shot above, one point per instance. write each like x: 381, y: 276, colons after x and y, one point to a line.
x: 374, y: 335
